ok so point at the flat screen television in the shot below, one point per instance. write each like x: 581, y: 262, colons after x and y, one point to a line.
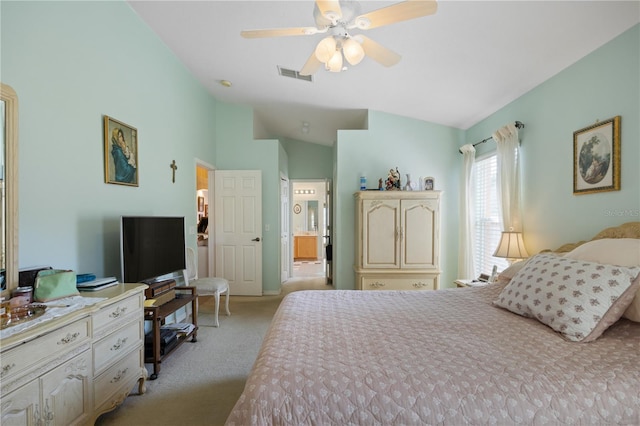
x: 151, y: 246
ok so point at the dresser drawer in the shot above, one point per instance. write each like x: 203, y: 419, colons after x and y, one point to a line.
x: 113, y: 381
x: 52, y: 344
x: 397, y: 282
x: 112, y: 347
x: 111, y: 315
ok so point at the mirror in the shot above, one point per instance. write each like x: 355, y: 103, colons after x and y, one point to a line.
x: 305, y: 218
x: 312, y: 215
x: 9, y: 189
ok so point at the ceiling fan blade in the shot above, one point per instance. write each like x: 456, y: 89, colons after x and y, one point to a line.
x: 398, y: 12
x: 311, y: 66
x: 377, y: 52
x: 330, y: 9
x: 280, y: 32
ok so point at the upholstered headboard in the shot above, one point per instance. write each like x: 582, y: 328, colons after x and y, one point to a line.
x: 626, y: 230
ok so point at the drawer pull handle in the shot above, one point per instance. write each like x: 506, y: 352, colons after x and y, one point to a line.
x: 119, y: 344
x: 7, y: 368
x: 419, y: 285
x: 119, y: 376
x: 119, y: 311
x: 69, y: 338
x: 377, y: 284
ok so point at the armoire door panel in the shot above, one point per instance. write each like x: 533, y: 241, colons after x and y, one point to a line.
x: 381, y: 226
x: 418, y: 224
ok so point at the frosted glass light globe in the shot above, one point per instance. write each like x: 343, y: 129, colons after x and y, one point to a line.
x: 353, y: 51
x: 335, y: 63
x: 325, y: 49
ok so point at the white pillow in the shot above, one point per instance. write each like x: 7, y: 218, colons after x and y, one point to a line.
x: 579, y: 299
x: 613, y: 251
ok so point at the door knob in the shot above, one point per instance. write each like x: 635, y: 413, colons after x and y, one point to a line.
x: 256, y: 239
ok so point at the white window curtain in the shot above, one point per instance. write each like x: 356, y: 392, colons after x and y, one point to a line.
x: 466, y: 241
x: 509, y: 177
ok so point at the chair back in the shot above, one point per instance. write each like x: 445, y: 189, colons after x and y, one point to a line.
x: 192, y: 268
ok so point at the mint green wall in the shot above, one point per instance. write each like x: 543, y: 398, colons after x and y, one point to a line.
x: 308, y: 160
x: 415, y: 147
x: 283, y: 160
x: 237, y: 150
x: 602, y: 85
x: 71, y: 63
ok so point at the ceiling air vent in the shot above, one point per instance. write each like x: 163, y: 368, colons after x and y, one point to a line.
x: 285, y: 72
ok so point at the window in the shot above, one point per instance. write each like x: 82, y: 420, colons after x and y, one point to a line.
x: 488, y: 223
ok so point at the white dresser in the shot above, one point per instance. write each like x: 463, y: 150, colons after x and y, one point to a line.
x: 397, y: 240
x: 71, y: 369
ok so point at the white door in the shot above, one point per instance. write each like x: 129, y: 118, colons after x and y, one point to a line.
x: 328, y: 234
x: 285, y: 258
x: 238, y: 230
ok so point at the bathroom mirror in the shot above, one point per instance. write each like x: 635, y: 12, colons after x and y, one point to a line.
x: 305, y: 218
x: 312, y: 215
x: 9, y: 189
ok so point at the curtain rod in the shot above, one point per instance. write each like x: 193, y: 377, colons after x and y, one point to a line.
x: 518, y: 124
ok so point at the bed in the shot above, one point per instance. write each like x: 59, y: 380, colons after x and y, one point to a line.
x: 454, y: 356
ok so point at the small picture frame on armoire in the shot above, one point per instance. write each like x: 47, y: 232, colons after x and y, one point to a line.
x: 428, y: 184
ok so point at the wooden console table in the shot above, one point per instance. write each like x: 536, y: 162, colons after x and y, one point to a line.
x: 157, y: 315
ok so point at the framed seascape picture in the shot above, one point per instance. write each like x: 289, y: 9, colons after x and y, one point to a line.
x: 120, y: 153
x: 596, y: 157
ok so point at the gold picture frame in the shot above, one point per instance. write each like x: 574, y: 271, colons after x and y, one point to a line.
x: 120, y: 153
x: 596, y: 157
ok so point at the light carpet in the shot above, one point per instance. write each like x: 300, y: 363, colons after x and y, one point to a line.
x: 200, y: 382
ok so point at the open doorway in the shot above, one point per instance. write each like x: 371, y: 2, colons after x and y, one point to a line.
x: 309, y: 228
x: 204, y: 203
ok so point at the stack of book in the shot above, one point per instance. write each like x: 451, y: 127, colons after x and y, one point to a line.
x: 183, y: 329
x: 168, y: 340
x: 160, y: 293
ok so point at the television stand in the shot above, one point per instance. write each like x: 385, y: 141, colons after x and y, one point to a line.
x: 157, y: 315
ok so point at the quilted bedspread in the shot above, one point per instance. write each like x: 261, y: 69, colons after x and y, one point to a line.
x: 434, y: 357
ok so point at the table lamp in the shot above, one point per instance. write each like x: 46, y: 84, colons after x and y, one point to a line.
x: 511, y: 246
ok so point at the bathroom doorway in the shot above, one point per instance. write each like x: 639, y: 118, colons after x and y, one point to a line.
x: 310, y: 225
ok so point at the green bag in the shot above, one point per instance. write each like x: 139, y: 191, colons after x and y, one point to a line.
x: 52, y: 284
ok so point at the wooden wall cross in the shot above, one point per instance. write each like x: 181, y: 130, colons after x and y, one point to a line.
x: 174, y: 167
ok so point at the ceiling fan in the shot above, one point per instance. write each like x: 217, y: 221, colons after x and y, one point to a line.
x: 337, y: 18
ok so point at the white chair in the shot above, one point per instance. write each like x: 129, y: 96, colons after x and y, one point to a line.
x: 207, y: 286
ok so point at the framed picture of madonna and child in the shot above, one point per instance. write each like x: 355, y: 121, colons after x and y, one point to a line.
x: 596, y: 157
x: 120, y: 153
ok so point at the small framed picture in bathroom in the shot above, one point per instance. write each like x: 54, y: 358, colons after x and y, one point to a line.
x: 428, y: 184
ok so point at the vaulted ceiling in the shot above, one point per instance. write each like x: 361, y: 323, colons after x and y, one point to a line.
x: 458, y: 66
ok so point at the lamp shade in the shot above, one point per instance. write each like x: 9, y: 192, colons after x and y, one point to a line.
x: 353, y: 51
x: 326, y: 49
x: 335, y: 63
x: 511, y: 246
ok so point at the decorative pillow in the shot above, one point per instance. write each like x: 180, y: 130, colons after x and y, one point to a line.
x: 579, y: 299
x: 613, y: 251
x: 512, y: 270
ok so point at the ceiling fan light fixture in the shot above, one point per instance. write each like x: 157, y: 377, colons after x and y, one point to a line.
x: 335, y: 63
x: 326, y: 49
x: 353, y: 51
